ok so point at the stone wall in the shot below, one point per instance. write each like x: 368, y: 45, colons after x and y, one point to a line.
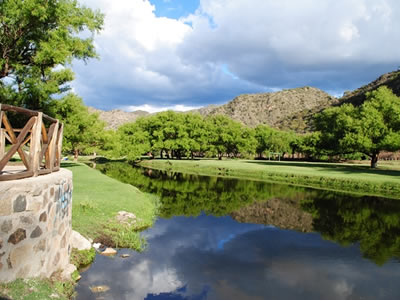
x: 35, y: 225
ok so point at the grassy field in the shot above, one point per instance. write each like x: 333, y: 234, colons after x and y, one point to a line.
x: 357, y: 178
x: 98, y: 198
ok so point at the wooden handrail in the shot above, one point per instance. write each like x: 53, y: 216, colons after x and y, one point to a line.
x: 45, y: 143
x: 25, y: 111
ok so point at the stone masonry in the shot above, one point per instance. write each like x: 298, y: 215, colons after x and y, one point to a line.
x: 35, y: 225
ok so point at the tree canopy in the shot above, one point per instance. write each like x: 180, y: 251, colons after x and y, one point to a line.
x: 83, y: 132
x: 369, y: 129
x: 36, y: 36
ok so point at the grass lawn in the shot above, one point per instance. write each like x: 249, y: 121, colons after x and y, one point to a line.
x: 97, y: 199
x: 358, y: 178
x: 34, y: 289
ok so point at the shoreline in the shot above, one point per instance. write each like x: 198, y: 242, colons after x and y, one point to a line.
x: 355, y: 179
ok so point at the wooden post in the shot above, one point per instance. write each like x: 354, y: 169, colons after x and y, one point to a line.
x: 35, y: 146
x: 52, y: 146
x: 59, y: 144
x: 2, y: 136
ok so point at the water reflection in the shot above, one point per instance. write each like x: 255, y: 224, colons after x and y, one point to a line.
x: 217, y: 258
x: 221, y: 238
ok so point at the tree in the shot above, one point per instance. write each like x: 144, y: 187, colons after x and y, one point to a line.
x: 82, y: 131
x: 35, y: 37
x: 134, y: 139
x: 369, y: 129
x: 272, y: 140
x: 225, y: 135
x: 197, y: 133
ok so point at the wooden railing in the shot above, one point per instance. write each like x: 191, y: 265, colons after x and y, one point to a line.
x: 38, y: 145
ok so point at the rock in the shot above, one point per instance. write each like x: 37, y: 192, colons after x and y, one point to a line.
x: 79, y: 242
x: 124, y: 255
x: 36, y: 233
x: 99, y: 288
x: 109, y: 252
x: 17, y: 236
x: 54, y: 296
x: 127, y: 218
x: 19, y: 204
x: 96, y: 246
x: 67, y: 272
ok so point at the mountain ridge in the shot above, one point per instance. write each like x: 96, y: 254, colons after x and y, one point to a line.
x: 289, y: 109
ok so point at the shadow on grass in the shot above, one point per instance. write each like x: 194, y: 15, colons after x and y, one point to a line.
x: 69, y: 165
x: 331, y: 168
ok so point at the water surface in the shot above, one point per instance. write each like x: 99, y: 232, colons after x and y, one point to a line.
x: 220, y: 238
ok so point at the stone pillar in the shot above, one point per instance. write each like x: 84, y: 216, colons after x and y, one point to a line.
x: 35, y: 225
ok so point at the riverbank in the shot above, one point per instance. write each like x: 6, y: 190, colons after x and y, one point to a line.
x: 97, y: 199
x: 355, y: 178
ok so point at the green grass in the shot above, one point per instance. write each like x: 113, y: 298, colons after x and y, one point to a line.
x: 356, y: 178
x: 36, y: 289
x: 97, y: 199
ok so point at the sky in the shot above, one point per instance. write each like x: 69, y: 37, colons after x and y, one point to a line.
x: 183, y: 54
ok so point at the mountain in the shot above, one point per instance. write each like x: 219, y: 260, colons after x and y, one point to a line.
x: 287, y: 109
x: 357, y: 97
x: 115, y: 118
x: 290, y: 109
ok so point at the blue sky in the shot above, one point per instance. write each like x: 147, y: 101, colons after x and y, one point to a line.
x: 175, y: 8
x: 182, y: 54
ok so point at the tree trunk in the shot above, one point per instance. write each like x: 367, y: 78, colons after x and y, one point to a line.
x: 76, y: 154
x: 374, y: 160
x: 161, y: 153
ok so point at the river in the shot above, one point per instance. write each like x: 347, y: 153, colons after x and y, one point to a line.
x: 225, y: 238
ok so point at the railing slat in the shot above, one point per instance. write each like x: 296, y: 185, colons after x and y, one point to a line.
x: 14, y: 139
x: 17, y: 144
x: 46, y: 148
x: 52, y: 146
x: 42, y: 143
x: 35, y: 145
x: 59, y: 144
x: 2, y: 136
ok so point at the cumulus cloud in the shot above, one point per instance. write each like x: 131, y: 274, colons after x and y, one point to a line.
x: 153, y: 108
x: 228, y: 47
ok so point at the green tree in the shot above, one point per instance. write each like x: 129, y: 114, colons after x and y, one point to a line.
x: 369, y: 129
x: 225, y: 135
x: 134, y: 139
x: 197, y: 134
x: 83, y: 131
x: 272, y: 140
x: 35, y: 37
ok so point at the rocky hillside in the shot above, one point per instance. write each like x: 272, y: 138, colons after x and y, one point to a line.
x: 287, y: 109
x: 357, y: 97
x: 290, y: 109
x: 115, y: 118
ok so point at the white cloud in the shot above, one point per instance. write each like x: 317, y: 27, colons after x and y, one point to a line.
x: 152, y: 109
x: 233, y: 46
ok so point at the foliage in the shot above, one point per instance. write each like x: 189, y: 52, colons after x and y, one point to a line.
x: 273, y: 140
x: 83, y: 132
x: 372, y: 222
x: 36, y: 36
x: 370, y: 128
